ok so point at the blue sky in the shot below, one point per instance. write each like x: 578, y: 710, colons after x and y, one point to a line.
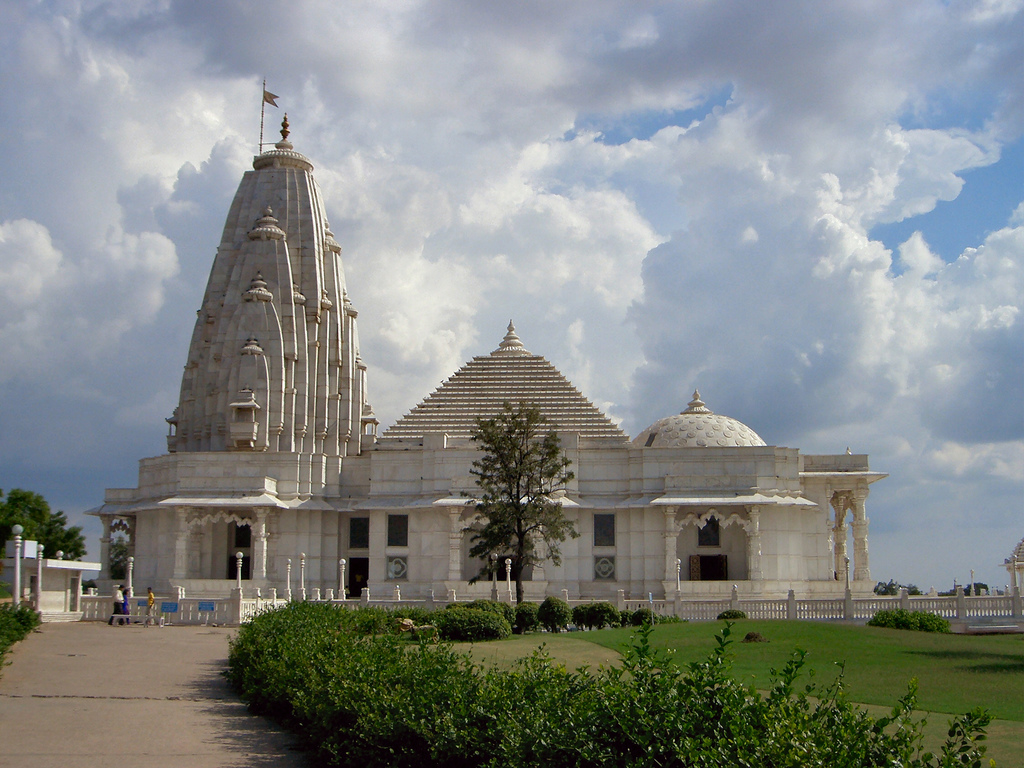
x: 816, y: 217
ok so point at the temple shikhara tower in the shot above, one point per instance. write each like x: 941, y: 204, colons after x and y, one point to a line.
x: 273, y: 452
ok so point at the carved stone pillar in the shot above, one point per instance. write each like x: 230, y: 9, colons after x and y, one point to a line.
x: 181, y: 544
x: 840, y: 502
x: 108, y: 521
x: 861, y: 571
x: 195, y: 555
x: 259, y: 550
x: 455, y: 544
x: 754, y: 572
x: 670, y: 536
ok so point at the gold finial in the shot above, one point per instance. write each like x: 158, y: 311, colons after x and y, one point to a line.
x: 284, y: 128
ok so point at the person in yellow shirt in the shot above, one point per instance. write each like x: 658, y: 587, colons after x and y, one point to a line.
x: 150, y: 605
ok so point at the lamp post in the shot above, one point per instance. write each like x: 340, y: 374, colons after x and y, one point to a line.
x: 974, y: 591
x: 679, y: 567
x: 288, y: 576
x: 39, y: 577
x: 494, y: 576
x: 341, y: 579
x: 302, y: 575
x: 846, y: 568
x: 131, y: 571
x: 508, y: 576
x: 238, y: 570
x: 17, y: 530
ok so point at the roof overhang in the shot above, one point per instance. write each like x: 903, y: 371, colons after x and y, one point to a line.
x: 739, y: 500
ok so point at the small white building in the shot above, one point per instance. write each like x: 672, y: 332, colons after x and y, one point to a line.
x: 273, y: 452
x: 53, y: 586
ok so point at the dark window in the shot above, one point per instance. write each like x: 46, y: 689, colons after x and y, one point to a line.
x: 604, y: 530
x: 359, y: 533
x: 398, y: 530
x: 243, y: 536
x: 709, y: 535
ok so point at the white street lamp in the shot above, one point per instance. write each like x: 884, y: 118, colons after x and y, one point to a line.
x: 238, y: 570
x: 17, y: 530
x: 341, y: 579
x: 508, y: 576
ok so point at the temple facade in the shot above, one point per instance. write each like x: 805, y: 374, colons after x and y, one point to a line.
x: 273, y: 453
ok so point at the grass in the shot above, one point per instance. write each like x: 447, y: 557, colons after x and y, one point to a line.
x: 955, y: 673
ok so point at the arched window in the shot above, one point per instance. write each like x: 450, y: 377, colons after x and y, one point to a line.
x: 709, y: 535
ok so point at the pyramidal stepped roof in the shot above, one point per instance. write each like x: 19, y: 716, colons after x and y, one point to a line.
x: 509, y: 374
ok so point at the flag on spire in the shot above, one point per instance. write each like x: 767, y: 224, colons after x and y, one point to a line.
x: 269, y: 98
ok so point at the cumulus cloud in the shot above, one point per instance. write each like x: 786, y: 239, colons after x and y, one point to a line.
x: 663, y: 198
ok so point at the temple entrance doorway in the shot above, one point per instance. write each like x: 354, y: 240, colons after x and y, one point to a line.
x: 709, y: 568
x: 358, y: 575
x: 240, y: 538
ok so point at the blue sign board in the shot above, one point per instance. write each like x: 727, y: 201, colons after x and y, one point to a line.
x: 141, y: 603
x: 207, y: 606
x: 168, y: 607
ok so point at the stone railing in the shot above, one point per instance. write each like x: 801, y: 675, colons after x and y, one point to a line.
x: 239, y: 608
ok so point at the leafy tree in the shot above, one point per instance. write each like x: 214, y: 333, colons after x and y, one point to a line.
x: 892, y: 588
x: 521, y: 468
x: 119, y: 558
x: 33, y: 513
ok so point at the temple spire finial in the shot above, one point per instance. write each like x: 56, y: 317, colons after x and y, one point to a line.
x: 511, y: 345
x: 696, y: 404
x: 284, y: 143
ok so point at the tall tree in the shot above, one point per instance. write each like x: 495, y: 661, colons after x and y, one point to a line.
x: 521, y: 468
x: 33, y: 513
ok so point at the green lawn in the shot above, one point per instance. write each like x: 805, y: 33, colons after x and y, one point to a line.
x: 955, y: 672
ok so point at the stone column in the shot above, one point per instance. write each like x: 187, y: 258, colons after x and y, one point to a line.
x: 670, y: 536
x: 754, y: 572
x: 108, y: 521
x: 259, y: 548
x: 861, y: 572
x: 181, y: 544
x: 840, y: 503
x: 455, y: 544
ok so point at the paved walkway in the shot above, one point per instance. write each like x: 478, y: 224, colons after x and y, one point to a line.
x: 84, y: 694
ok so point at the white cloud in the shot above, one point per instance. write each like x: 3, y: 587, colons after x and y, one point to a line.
x: 460, y: 152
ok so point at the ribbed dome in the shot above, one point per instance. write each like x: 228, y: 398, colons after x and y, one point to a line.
x: 697, y: 426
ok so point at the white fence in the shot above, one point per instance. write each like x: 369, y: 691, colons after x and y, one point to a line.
x: 238, y: 608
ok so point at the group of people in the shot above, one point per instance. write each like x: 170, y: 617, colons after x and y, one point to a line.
x: 123, y: 610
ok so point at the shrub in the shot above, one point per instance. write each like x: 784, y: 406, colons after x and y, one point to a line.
x: 463, y: 624
x: 375, y: 701
x: 554, y: 614
x: 642, y: 616
x: 15, y: 623
x: 731, y: 614
x: 505, y: 610
x: 526, y: 618
x: 900, y: 618
x: 595, y: 615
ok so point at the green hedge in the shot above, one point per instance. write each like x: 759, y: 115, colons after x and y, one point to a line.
x: 731, y: 614
x: 901, y: 618
x: 554, y: 614
x: 595, y: 615
x: 464, y: 624
x: 526, y: 618
x: 15, y: 623
x: 371, y: 701
x: 505, y: 610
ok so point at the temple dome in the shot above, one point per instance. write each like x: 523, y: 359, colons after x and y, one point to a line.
x: 697, y: 426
